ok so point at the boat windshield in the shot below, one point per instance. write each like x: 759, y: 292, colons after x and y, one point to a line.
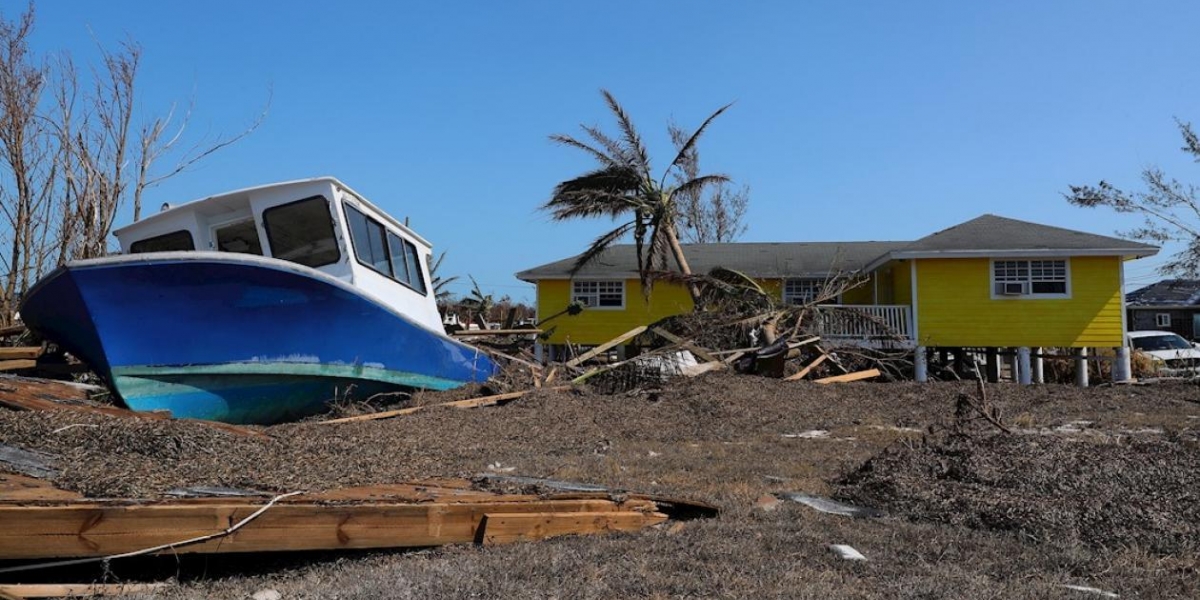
x: 1166, y: 341
x: 302, y: 232
x: 168, y: 242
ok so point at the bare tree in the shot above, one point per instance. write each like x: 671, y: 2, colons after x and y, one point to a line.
x: 1170, y: 210
x: 709, y: 215
x: 71, y: 155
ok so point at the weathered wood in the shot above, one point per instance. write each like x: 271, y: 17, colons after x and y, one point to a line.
x: 688, y: 345
x: 702, y: 368
x: 550, y: 376
x: 20, y: 487
x: 628, y: 335
x: 487, y: 332
x: 808, y: 369
x: 855, y: 376
x: 16, y: 352
x: 97, y: 529
x: 468, y: 403
x: 503, y: 528
x: 805, y: 342
x: 13, y: 365
x: 71, y: 590
x: 12, y: 330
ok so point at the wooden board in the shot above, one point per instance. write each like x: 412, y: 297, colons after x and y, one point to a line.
x: 72, y: 590
x: 468, y: 403
x: 855, y: 376
x: 688, y: 345
x: 20, y: 487
x: 13, y: 365
x: 14, y: 352
x: 503, y: 528
x: 93, y: 529
x: 624, y: 337
x: 806, y: 370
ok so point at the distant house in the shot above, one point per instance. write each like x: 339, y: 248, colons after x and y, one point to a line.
x: 991, y: 282
x: 1169, y: 305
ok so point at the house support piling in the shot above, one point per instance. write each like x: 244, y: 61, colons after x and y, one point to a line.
x: 992, y: 366
x: 921, y: 364
x: 1039, y: 371
x: 1122, y: 369
x: 1081, y: 367
x: 1024, y: 371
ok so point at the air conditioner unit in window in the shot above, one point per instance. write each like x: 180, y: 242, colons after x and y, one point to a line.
x: 1013, y: 288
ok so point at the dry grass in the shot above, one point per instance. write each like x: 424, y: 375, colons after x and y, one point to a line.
x: 720, y: 438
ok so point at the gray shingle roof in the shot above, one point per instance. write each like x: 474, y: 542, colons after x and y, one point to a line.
x: 766, y: 260
x: 990, y: 232
x: 985, y: 235
x: 1168, y: 292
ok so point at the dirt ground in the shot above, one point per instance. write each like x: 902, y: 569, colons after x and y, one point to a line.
x: 1097, y: 488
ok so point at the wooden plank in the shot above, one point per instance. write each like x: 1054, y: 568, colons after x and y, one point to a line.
x: 15, y: 352
x: 628, y: 335
x: 12, y: 330
x: 89, y: 530
x: 806, y: 370
x: 21, y: 487
x: 468, y: 403
x: 13, y: 365
x: 550, y: 376
x: 702, y: 368
x: 72, y: 590
x: 855, y: 376
x: 811, y: 340
x: 504, y: 528
x: 689, y: 345
x: 485, y: 332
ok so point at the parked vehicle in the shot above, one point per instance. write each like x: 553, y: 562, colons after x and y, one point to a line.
x: 1170, y: 353
x: 257, y: 306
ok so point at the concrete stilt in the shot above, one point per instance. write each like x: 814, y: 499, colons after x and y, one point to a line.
x: 1039, y: 369
x: 1122, y: 369
x: 539, y: 353
x: 1024, y: 372
x: 921, y: 364
x: 1081, y: 367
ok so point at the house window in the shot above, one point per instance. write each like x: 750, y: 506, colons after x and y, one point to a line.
x: 599, y: 294
x: 804, y: 291
x: 1162, y: 320
x: 1030, y: 278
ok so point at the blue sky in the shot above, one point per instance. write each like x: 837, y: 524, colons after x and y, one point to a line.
x: 853, y: 120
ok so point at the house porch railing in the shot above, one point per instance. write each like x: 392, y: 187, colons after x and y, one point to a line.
x: 875, y: 324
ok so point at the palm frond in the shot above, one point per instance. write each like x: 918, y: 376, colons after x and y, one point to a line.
x: 615, y: 149
x: 683, y: 150
x: 697, y: 184
x: 633, y: 140
x: 599, y: 246
x: 567, y: 140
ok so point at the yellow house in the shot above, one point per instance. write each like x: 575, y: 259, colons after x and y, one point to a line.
x: 991, y: 282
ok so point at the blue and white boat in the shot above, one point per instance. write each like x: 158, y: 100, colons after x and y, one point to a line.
x: 257, y: 306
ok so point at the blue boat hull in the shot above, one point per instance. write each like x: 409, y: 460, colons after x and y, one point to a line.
x: 240, y: 340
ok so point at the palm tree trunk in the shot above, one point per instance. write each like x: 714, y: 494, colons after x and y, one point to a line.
x: 677, y: 250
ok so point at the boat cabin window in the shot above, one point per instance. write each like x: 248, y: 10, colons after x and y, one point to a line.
x: 167, y: 242
x: 302, y: 232
x: 239, y: 237
x: 384, y: 251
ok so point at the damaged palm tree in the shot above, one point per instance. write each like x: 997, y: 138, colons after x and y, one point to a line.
x: 623, y: 186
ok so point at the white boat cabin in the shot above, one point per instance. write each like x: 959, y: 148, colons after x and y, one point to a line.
x: 319, y: 223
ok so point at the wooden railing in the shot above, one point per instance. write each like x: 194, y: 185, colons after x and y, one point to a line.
x: 867, y: 322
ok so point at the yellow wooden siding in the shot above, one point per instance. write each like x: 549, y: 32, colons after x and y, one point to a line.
x: 861, y: 294
x: 955, y: 307
x: 598, y: 325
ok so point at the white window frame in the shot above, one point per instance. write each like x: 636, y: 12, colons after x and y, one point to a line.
x: 591, y: 297
x: 1029, y: 279
x: 1160, y: 321
x: 813, y: 285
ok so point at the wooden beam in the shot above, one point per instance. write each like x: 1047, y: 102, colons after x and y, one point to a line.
x: 855, y: 376
x: 486, y: 332
x: 806, y: 370
x: 632, y: 333
x: 13, y: 365
x: 811, y: 340
x: 99, y: 529
x: 504, y: 528
x: 12, y: 330
x: 14, y: 352
x: 689, y: 345
x: 72, y: 590
x: 468, y: 403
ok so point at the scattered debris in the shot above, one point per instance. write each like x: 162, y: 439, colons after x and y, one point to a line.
x: 847, y: 552
x: 812, y: 434
x: 34, y: 464
x: 1090, y: 590
x: 826, y: 505
x: 82, y: 590
x: 766, y: 503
